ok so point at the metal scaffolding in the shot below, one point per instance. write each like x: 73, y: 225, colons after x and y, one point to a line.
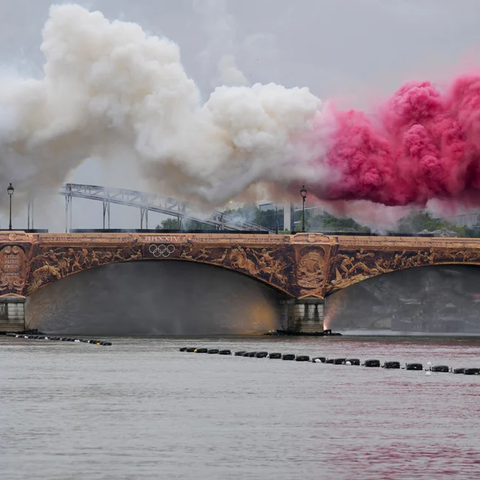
x: 147, y: 202
x: 30, y: 215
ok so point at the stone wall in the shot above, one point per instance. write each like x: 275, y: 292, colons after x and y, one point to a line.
x: 304, y: 315
x: 12, y: 314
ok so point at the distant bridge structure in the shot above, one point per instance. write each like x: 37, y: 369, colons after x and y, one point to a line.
x: 149, y: 202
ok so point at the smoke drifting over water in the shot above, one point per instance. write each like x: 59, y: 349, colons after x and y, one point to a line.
x: 155, y: 298
x: 110, y: 87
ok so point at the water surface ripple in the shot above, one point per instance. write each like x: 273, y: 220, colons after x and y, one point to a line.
x: 142, y: 410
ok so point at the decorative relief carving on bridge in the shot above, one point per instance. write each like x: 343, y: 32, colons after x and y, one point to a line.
x: 56, y: 263
x: 306, y: 265
x: 311, y: 270
x: 51, y: 263
x: 13, y: 267
x: 353, y: 266
x: 269, y: 264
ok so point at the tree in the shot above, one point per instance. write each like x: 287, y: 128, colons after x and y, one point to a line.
x: 169, y: 224
x: 195, y: 225
x: 264, y: 218
x: 330, y: 223
x: 420, y: 221
x: 175, y: 224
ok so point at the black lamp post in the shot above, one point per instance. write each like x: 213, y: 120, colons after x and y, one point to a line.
x: 303, y: 193
x: 10, y: 191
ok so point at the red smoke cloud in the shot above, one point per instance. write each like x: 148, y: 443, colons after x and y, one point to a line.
x: 422, y: 144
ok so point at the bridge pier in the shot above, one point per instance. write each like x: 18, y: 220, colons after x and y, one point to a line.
x: 305, y: 315
x: 12, y: 314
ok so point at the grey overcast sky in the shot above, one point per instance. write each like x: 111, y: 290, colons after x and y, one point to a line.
x: 337, y: 48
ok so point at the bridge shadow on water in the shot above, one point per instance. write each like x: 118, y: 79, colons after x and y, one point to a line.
x: 437, y: 300
x: 155, y: 298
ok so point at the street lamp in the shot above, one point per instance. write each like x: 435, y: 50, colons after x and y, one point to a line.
x: 303, y: 193
x: 10, y: 191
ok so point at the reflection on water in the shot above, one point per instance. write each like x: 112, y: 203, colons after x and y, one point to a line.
x: 441, y: 299
x: 142, y: 410
x: 155, y: 298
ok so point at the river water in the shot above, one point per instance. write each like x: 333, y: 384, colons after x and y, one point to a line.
x: 142, y: 410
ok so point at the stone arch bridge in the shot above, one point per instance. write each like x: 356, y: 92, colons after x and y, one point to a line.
x: 305, y: 267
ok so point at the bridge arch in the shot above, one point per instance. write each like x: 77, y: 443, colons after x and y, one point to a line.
x: 54, y: 264
x: 354, y: 265
x: 149, y: 298
x: 361, y: 278
x: 442, y: 298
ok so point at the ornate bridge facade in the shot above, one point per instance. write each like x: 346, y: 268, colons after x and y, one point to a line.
x: 305, y: 267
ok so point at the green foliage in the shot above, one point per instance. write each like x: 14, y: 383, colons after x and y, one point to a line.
x: 175, y: 224
x: 265, y: 218
x: 271, y: 220
x: 194, y: 225
x: 169, y: 224
x: 330, y: 223
x: 418, y: 222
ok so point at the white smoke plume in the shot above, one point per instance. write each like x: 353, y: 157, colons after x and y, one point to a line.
x: 230, y: 74
x: 110, y: 86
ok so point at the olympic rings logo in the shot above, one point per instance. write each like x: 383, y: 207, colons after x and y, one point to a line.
x: 161, y: 250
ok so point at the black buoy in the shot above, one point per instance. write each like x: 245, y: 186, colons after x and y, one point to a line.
x: 240, y: 354
x: 201, y: 350
x: 459, y: 370
x: 107, y: 344
x: 391, y: 365
x: 261, y: 355
x: 302, y: 358
x: 213, y: 351
x: 188, y: 350
x: 252, y: 354
x: 472, y: 371
x: 330, y: 360
x: 288, y: 356
x: 372, y: 363
x: 414, y: 366
x: 353, y: 361
x: 440, y: 368
x: 339, y: 361
x: 225, y: 352
x: 183, y: 349
x: 319, y: 360
x: 275, y: 356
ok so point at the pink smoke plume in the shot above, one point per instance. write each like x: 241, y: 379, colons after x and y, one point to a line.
x: 421, y: 145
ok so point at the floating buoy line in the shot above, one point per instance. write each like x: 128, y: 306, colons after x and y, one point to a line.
x: 59, y: 339
x: 371, y: 363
